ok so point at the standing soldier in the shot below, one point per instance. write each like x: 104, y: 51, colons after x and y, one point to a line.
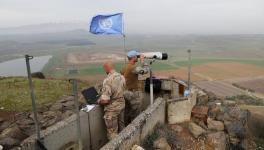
x: 133, y: 94
x: 113, y: 101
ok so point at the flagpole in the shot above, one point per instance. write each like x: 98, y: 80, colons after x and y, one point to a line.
x: 124, y: 37
x: 124, y: 44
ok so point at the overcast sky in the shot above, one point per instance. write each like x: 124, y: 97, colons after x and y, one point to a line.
x: 144, y: 16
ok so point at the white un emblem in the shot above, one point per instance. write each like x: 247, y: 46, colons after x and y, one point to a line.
x: 106, y: 23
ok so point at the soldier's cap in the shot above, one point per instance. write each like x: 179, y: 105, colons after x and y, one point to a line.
x: 133, y: 53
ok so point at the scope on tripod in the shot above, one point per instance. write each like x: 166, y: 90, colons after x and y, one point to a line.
x: 156, y: 55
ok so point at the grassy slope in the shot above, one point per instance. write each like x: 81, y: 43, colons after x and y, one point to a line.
x: 15, y: 96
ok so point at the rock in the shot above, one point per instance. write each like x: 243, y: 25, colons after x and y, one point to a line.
x: 27, y: 126
x: 65, y: 99
x: 16, y: 148
x: 200, y: 123
x: 215, y: 125
x: 13, y: 132
x: 211, y: 96
x: 28, y: 129
x: 200, y: 112
x: 67, y: 114
x: 50, y: 118
x: 25, y: 121
x: 213, y: 111
x: 69, y: 98
x: 2, y: 120
x: 234, y: 141
x: 39, y: 116
x: 68, y: 105
x: 225, y: 117
x: 9, y: 142
x: 136, y: 147
x: 43, y: 108
x: 176, y: 128
x: 217, y: 140
x: 202, y: 98
x: 56, y: 107
x: 236, y: 129
x: 161, y: 144
x: 196, y: 130
x: 4, y: 125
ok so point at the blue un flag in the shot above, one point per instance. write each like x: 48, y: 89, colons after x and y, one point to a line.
x: 107, y: 24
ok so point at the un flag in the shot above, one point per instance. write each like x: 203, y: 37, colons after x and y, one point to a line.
x: 107, y: 24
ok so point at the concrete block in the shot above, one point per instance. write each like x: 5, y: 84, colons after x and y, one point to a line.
x: 175, y: 90
x: 98, y: 128
x: 64, y: 132
x: 180, y: 111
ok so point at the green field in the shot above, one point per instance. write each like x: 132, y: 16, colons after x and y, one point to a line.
x: 199, y: 61
x: 96, y: 69
x: 57, y: 61
x: 15, y: 96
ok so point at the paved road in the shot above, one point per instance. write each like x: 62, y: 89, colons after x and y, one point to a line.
x: 219, y: 88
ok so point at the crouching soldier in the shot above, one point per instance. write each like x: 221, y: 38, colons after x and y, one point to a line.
x: 113, y: 101
x: 133, y: 94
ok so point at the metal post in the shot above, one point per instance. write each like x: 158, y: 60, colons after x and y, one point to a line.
x: 124, y: 45
x: 151, y: 82
x: 189, y: 69
x: 76, y: 103
x: 151, y: 86
x: 31, y: 88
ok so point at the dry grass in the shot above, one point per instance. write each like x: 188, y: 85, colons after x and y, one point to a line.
x: 15, y: 96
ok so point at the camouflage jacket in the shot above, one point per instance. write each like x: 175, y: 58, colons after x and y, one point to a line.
x: 113, y: 90
x: 131, y: 74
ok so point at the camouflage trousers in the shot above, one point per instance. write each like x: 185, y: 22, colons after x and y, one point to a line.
x: 114, y: 121
x: 133, y: 108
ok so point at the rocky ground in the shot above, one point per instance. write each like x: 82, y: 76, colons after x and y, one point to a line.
x: 14, y: 131
x: 215, y: 124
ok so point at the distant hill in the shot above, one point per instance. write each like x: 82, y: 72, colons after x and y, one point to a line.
x: 43, y: 28
x: 44, y: 39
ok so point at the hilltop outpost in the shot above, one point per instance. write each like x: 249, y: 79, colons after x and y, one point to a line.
x: 236, y: 79
x: 201, y: 120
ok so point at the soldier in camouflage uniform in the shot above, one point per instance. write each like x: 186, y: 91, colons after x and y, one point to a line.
x: 134, y: 93
x: 113, y: 100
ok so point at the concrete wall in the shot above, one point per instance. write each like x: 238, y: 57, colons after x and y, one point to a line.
x: 179, y: 109
x: 142, y: 126
x: 64, y: 132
